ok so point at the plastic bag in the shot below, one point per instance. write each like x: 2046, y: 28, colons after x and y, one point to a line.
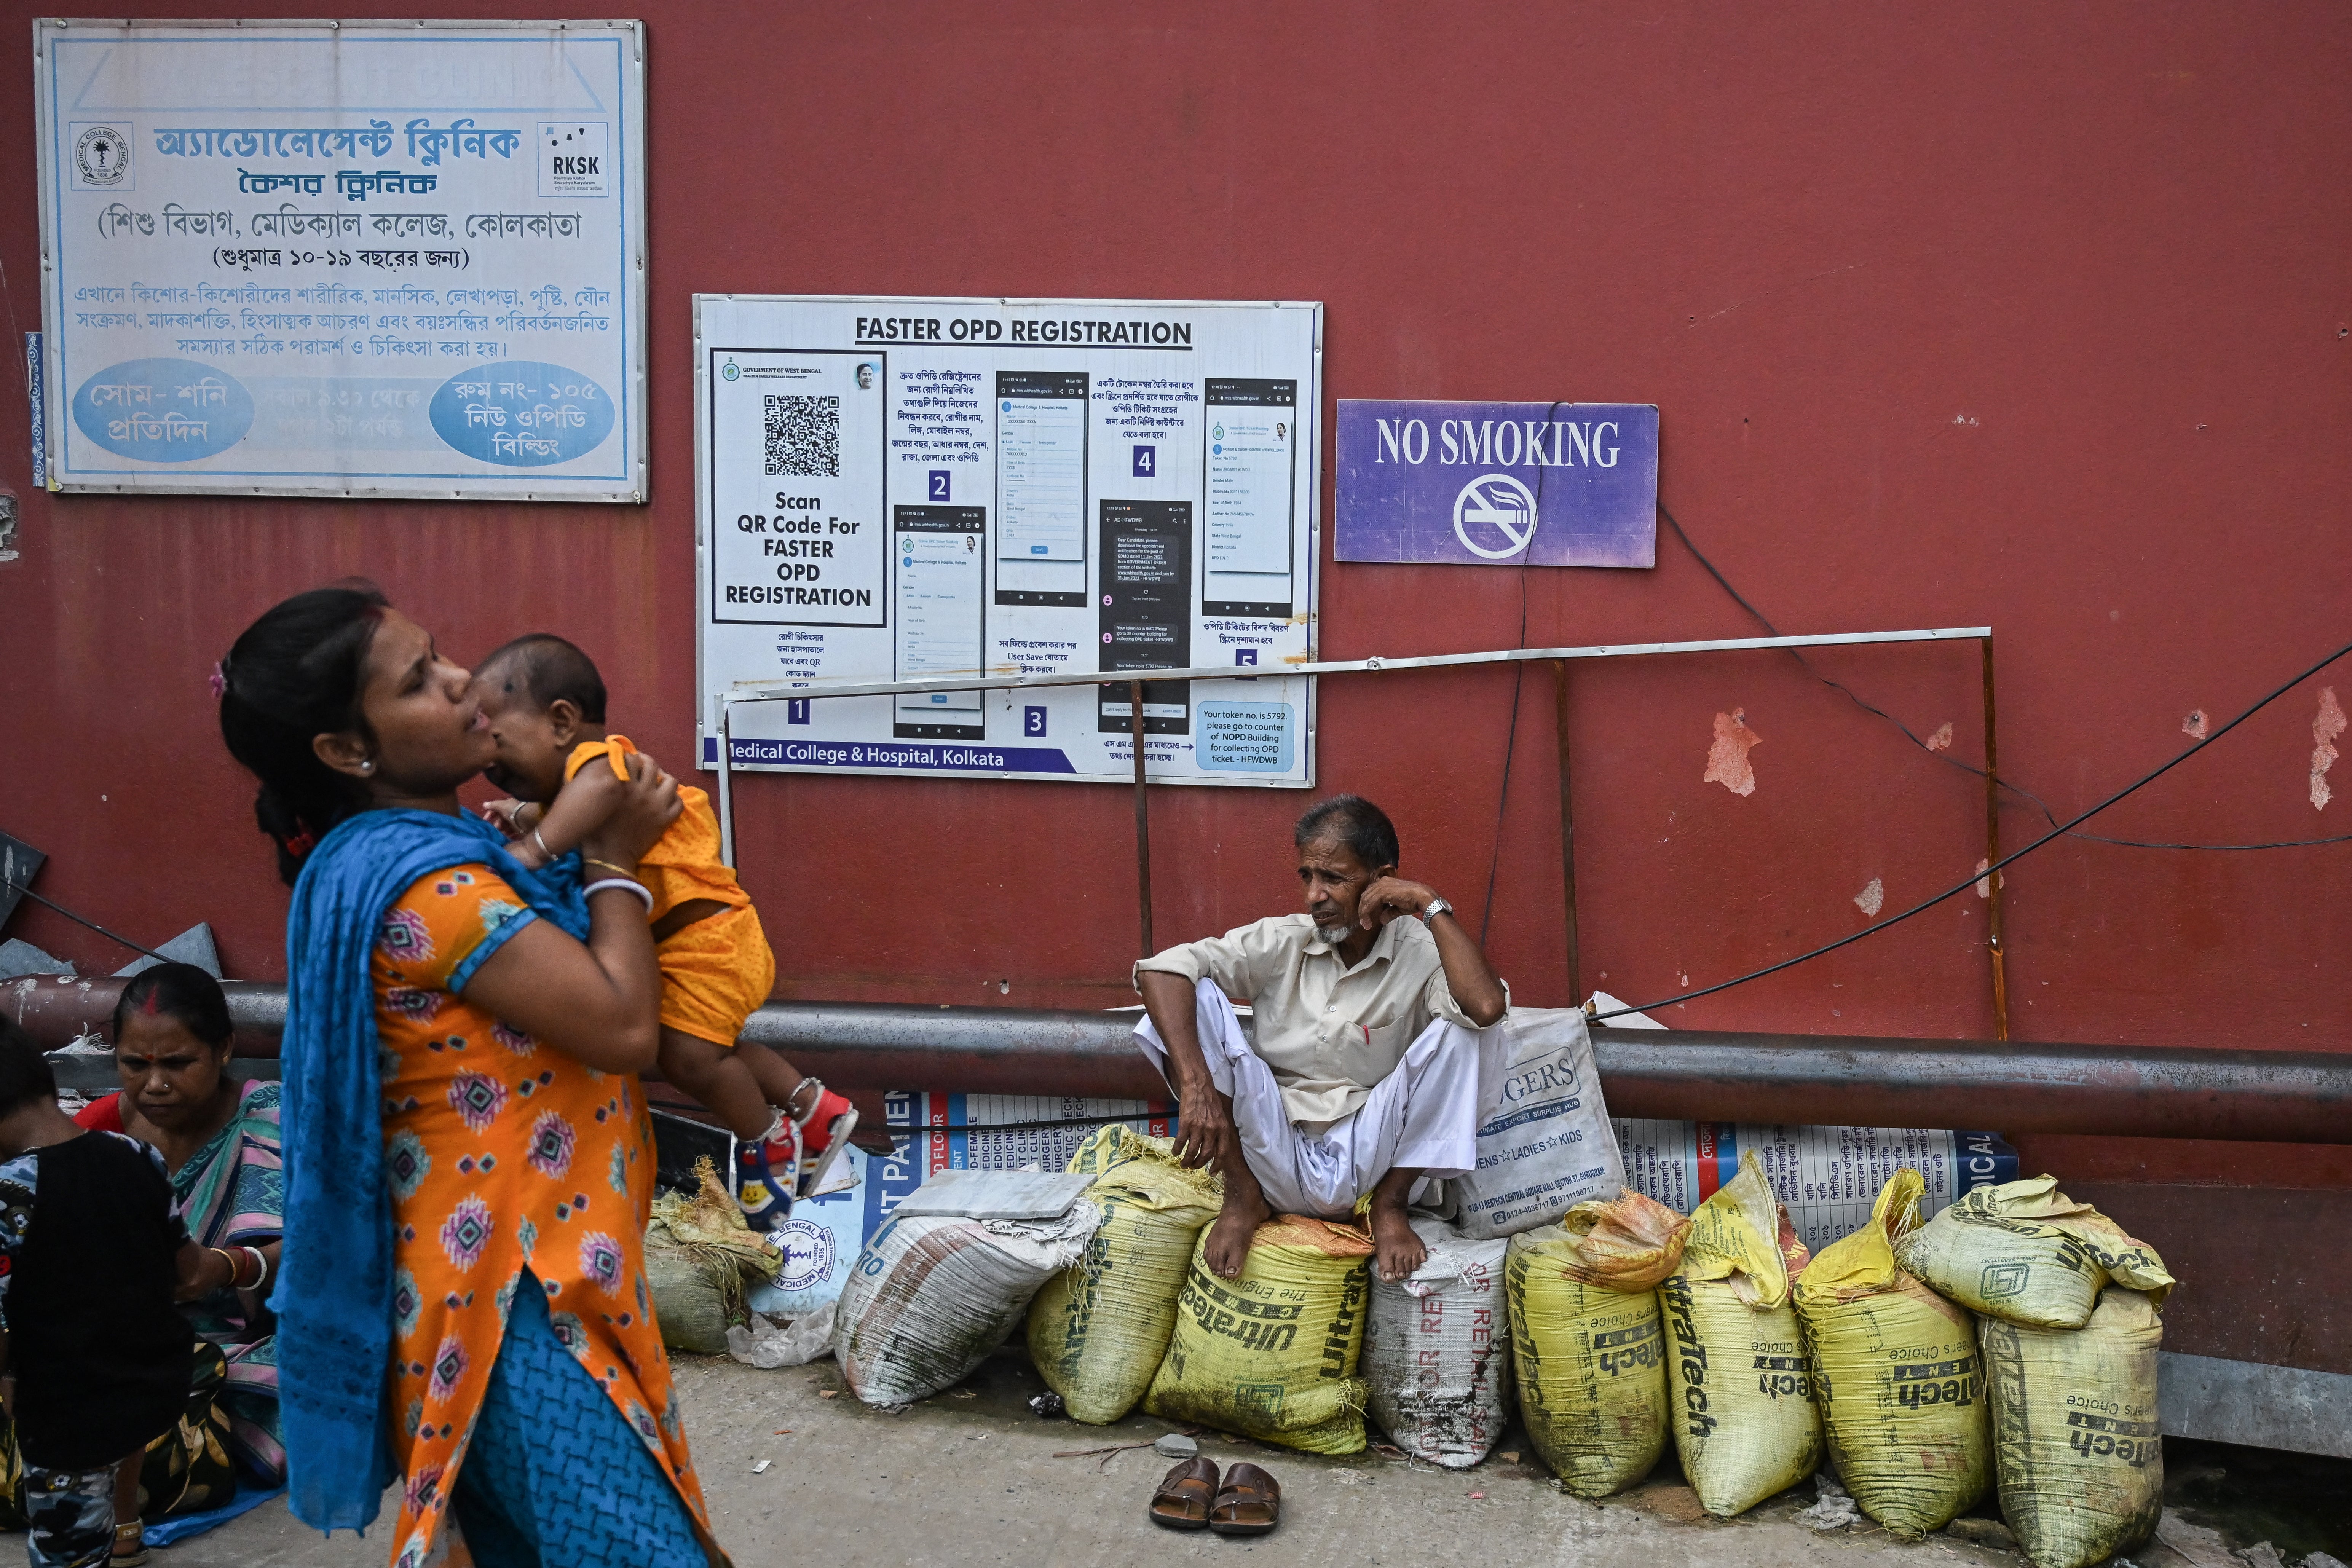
x: 1544, y: 1138
x: 1099, y: 1330
x: 1437, y: 1351
x: 1272, y: 1355
x: 2074, y: 1431
x: 1741, y: 1384
x: 1585, y: 1330
x: 1902, y: 1391
x: 933, y: 1294
x: 2026, y: 1252
x: 768, y: 1342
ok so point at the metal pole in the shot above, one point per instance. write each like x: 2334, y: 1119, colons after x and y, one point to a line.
x: 1567, y: 837
x: 726, y: 780
x: 1992, y: 854
x: 1142, y: 816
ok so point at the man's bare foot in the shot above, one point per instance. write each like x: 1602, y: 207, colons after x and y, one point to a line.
x: 1396, y: 1250
x: 1229, y: 1239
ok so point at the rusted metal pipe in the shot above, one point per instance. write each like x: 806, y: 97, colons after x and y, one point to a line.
x: 2279, y: 1097
x: 1992, y: 879
x: 1566, y: 829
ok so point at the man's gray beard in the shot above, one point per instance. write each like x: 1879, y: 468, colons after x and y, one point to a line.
x: 1334, y: 935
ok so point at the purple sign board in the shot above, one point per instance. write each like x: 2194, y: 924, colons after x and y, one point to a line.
x: 1498, y: 484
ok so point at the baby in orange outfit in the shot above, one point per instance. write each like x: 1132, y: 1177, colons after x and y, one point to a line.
x: 545, y: 704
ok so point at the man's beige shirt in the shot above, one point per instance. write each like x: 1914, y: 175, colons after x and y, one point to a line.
x: 1329, y: 1032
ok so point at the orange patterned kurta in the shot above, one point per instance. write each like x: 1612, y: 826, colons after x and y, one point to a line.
x: 502, y: 1154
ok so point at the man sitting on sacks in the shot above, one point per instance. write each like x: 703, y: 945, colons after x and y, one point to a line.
x: 1364, y: 1075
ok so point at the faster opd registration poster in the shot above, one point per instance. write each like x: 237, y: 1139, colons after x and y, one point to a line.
x: 312, y: 258
x: 897, y: 491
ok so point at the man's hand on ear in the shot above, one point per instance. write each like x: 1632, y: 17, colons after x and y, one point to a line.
x: 1389, y: 897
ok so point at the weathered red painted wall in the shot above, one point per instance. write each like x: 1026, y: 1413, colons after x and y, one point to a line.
x: 2027, y: 316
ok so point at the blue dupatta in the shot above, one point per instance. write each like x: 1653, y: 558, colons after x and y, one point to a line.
x: 333, y: 1296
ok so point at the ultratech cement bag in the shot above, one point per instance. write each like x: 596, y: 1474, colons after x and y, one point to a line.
x: 1902, y: 1391
x: 1585, y: 1335
x: 1099, y: 1330
x: 1544, y: 1140
x: 1739, y: 1384
x: 933, y: 1294
x: 1272, y: 1355
x: 1437, y: 1351
x: 2025, y: 1252
x: 2075, y: 1433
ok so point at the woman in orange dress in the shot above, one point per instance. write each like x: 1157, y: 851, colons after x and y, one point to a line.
x: 469, y: 1165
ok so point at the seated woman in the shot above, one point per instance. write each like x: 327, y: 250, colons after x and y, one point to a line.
x: 219, y: 1141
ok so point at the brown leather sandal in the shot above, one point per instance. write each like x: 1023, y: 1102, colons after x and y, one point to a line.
x: 1249, y: 1503
x: 1185, y: 1495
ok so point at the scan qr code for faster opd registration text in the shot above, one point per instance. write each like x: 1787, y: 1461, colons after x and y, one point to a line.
x: 803, y: 437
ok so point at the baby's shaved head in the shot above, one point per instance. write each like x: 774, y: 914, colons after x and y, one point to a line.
x: 545, y: 669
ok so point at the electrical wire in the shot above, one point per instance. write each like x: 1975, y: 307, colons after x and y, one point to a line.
x: 1854, y: 697
x: 2058, y: 832
x: 1519, y: 680
x: 60, y: 909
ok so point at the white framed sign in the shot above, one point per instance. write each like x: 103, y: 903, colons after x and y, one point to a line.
x: 897, y: 490
x: 345, y: 258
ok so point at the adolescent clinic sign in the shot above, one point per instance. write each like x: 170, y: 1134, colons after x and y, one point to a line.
x: 1498, y: 484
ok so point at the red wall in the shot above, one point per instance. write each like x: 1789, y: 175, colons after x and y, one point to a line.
x: 2029, y: 316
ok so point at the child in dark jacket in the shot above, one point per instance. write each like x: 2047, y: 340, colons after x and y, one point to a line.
x: 91, y: 1255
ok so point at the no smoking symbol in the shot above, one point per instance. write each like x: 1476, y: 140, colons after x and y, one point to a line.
x: 1495, y: 516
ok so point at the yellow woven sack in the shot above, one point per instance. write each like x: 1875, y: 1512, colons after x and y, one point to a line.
x: 1272, y: 1355
x: 2026, y: 1252
x: 1099, y: 1329
x: 1738, y: 1380
x: 1895, y: 1365
x: 1586, y: 1340
x: 2074, y: 1432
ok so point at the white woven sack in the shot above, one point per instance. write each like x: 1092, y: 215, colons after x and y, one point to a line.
x: 1544, y: 1140
x: 1437, y: 1351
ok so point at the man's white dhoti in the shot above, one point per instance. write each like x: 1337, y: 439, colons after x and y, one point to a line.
x: 1424, y: 1115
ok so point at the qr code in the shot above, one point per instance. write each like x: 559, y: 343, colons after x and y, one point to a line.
x: 805, y: 437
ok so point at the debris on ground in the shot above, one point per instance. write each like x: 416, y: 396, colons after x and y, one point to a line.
x: 1989, y: 1533
x: 1048, y: 1406
x: 1833, y: 1510
x: 1175, y: 1446
x: 766, y: 1342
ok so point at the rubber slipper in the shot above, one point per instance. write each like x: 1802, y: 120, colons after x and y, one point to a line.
x: 1249, y: 1503
x: 1183, y: 1497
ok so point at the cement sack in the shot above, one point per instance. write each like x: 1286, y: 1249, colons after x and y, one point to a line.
x: 1272, y: 1355
x: 1587, y: 1342
x: 1902, y: 1391
x: 2075, y: 1435
x: 1544, y: 1140
x: 1437, y: 1351
x: 2025, y: 1252
x: 933, y: 1294
x: 1099, y: 1330
x: 1737, y: 1379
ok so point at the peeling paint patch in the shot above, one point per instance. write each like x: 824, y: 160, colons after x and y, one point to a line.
x: 2324, y: 731
x: 1727, y: 758
x: 2195, y: 726
x: 1984, y: 883
x: 1941, y: 741
x: 1872, y: 899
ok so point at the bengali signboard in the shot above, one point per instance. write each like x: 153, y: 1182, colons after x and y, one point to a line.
x: 1497, y: 484
x: 312, y: 258
x: 902, y: 490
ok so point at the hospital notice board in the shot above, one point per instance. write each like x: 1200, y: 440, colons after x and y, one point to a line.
x: 310, y: 257
x: 899, y: 490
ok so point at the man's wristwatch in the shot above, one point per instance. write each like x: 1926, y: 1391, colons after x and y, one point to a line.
x: 1431, y: 910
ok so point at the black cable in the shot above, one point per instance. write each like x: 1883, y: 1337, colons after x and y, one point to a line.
x: 60, y: 909
x: 1974, y: 877
x: 2041, y: 804
x: 1518, y: 679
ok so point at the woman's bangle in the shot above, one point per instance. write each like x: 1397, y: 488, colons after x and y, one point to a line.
x: 544, y: 849
x: 639, y: 889
x: 628, y: 871
x: 260, y: 1267
x: 226, y: 1258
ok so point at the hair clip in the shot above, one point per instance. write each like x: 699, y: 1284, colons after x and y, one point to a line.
x: 302, y: 843
x: 218, y: 680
